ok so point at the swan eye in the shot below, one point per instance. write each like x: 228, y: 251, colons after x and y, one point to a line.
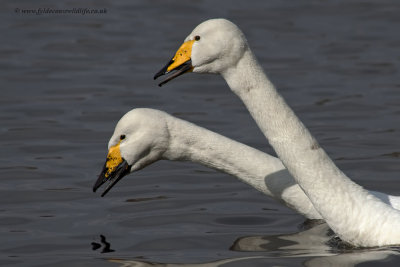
x: 197, y: 38
x: 122, y: 137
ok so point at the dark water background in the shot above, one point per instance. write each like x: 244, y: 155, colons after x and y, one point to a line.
x: 65, y: 80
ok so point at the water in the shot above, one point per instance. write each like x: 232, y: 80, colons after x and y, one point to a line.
x: 67, y: 79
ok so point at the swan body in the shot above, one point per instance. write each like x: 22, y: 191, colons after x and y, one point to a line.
x: 353, y: 213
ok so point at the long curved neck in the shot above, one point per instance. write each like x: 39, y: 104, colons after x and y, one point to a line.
x: 343, y: 204
x: 266, y: 173
x: 291, y: 140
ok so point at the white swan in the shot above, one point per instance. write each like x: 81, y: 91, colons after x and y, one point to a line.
x: 149, y: 135
x: 143, y: 136
x: 218, y: 46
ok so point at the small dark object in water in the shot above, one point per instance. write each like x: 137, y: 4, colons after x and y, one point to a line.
x: 107, y: 245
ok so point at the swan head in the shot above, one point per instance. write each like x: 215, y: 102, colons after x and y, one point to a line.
x: 213, y: 47
x: 139, y: 139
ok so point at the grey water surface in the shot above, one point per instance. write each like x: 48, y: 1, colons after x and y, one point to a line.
x: 66, y: 79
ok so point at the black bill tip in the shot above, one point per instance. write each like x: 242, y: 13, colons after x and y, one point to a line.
x: 101, y: 179
x: 121, y: 170
x: 163, y: 71
x: 178, y: 71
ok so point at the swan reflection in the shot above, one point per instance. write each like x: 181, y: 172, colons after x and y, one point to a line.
x: 316, y: 246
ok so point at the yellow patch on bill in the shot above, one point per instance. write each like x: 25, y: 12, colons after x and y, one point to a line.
x: 114, y: 159
x: 183, y: 54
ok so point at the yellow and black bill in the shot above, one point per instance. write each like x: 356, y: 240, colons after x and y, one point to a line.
x: 179, y: 64
x: 114, y: 170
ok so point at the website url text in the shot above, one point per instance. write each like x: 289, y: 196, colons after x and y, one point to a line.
x: 73, y: 11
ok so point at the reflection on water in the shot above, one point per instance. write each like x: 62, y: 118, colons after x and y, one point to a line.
x: 343, y: 260
x: 313, y: 241
x: 309, y: 246
x: 106, y: 245
x: 65, y: 81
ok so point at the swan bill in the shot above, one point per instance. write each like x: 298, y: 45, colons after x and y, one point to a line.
x: 114, y: 169
x: 121, y: 170
x: 179, y: 64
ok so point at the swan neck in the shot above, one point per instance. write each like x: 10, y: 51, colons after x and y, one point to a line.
x: 189, y: 142
x: 342, y: 203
